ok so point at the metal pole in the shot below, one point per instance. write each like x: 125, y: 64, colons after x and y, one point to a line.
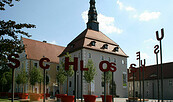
x: 161, y: 70
x: 139, y: 80
x: 143, y: 81
x: 104, y: 86
x: 139, y: 58
x: 158, y: 77
x: 75, y: 86
x: 12, y: 91
x: 133, y: 87
x: 143, y: 75
x: 160, y: 39
x: 112, y: 86
x: 81, y: 81
x: 44, y: 82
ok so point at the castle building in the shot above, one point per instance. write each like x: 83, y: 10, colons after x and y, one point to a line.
x: 93, y: 44
x: 90, y: 44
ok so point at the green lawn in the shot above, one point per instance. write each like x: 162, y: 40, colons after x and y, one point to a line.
x: 6, y: 100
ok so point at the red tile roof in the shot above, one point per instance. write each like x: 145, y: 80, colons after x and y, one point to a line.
x: 36, y: 50
x: 151, y: 72
x: 84, y: 39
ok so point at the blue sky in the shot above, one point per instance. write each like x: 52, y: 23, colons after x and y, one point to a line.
x: 130, y: 23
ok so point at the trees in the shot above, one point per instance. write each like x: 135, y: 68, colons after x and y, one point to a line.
x: 5, y: 79
x: 34, y: 76
x: 108, y: 77
x: 70, y: 72
x: 40, y: 80
x: 61, y: 78
x: 11, y: 44
x: 18, y: 81
x: 89, y: 75
x: 24, y: 77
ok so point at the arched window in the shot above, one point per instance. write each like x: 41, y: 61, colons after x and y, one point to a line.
x: 102, y: 57
x: 89, y: 55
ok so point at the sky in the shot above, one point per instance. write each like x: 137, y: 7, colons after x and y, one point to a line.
x: 130, y: 23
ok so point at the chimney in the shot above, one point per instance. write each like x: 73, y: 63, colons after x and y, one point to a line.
x: 44, y: 41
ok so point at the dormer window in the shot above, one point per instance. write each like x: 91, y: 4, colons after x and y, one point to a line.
x: 93, y: 43
x: 116, y: 49
x: 72, y: 45
x: 105, y: 46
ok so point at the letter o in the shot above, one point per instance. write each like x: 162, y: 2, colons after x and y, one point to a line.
x: 101, y: 66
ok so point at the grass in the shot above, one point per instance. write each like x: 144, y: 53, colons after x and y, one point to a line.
x: 6, y: 100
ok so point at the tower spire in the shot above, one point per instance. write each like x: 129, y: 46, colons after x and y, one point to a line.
x: 92, y: 17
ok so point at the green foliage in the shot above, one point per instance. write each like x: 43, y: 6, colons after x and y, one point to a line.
x: 40, y: 78
x: 18, y: 79
x: 24, y: 76
x: 89, y: 75
x: 5, y: 79
x: 6, y: 2
x: 70, y: 72
x: 35, y: 74
x: 10, y: 44
x: 61, y: 78
x: 114, y: 88
x: 108, y: 76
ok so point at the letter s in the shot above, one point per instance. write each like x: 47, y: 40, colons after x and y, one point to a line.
x: 113, y: 67
x: 16, y: 61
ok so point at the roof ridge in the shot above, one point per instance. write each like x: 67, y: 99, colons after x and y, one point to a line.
x: 43, y: 42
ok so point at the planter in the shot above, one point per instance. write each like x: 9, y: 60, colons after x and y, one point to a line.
x: 16, y: 94
x: 108, y: 98
x: 41, y: 96
x: 60, y: 95
x: 47, y: 95
x: 3, y: 94
x: 23, y: 95
x: 9, y: 95
x: 90, y: 98
x: 34, y: 97
x: 67, y: 98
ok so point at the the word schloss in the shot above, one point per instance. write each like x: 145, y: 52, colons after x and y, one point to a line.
x: 109, y: 66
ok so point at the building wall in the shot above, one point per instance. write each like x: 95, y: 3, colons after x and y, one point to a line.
x: 29, y: 64
x: 97, y: 88
x: 151, y: 88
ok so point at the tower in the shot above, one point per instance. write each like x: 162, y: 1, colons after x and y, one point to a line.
x: 92, y: 17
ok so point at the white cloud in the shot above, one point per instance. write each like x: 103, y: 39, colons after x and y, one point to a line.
x: 85, y: 16
x: 145, y: 56
x: 120, y: 4
x: 146, y: 16
x: 127, y: 8
x: 150, y: 41
x: 106, y: 24
x: 53, y: 42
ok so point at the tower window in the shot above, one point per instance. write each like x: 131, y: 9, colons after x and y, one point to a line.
x: 102, y: 57
x: 89, y: 55
x: 79, y: 55
x: 35, y: 64
x: 105, y: 46
x: 123, y: 62
x: 114, y: 60
x: 93, y: 43
x: 116, y: 49
x: 57, y: 67
x: 109, y: 59
x: 70, y: 83
x: 170, y: 83
x: 72, y: 45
